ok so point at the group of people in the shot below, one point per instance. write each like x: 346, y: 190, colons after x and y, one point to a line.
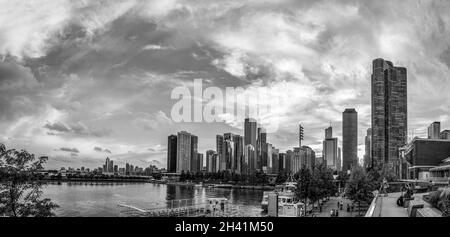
x: 340, y: 206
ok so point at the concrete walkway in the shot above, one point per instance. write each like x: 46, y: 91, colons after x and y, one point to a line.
x: 389, y: 207
x: 332, y: 204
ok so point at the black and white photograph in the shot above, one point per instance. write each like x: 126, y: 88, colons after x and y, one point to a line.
x: 180, y: 109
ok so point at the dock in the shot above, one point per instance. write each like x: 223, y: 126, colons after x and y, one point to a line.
x: 212, y: 207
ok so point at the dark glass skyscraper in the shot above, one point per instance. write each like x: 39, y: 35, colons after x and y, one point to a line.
x: 194, y: 153
x: 367, y: 154
x: 389, y: 111
x: 250, y: 134
x: 172, y: 154
x: 349, y: 139
x: 219, y: 151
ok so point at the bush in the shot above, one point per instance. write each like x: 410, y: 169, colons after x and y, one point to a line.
x: 434, y: 198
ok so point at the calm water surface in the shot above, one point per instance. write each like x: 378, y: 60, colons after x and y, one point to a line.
x: 86, y: 199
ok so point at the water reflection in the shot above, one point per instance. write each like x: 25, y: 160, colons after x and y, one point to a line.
x: 102, y: 199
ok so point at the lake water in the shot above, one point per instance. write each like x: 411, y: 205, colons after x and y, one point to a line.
x: 86, y: 199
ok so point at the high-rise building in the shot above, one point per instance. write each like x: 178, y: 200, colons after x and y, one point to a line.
x: 289, y: 156
x: 445, y: 135
x: 308, y: 157
x: 199, y: 162
x: 275, y: 161
x: 220, y: 152
x: 250, y: 133
x: 296, y: 162
x: 349, y: 138
x: 107, y: 164
x: 184, y: 151
x: 210, y: 163
x: 282, y: 162
x: 228, y: 148
x: 249, y: 163
x: 269, y: 153
x: 389, y: 112
x: 328, y: 132
x: 238, y: 154
x: 367, y: 155
x: 339, y: 161
x: 434, y: 130
x: 194, y: 152
x: 172, y: 154
x: 329, y: 151
x: 260, y: 143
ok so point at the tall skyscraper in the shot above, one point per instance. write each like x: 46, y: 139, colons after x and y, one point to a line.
x: 194, y: 152
x: 238, y: 154
x: 434, y: 130
x: 248, y: 166
x: 389, y: 112
x: 220, y: 151
x: 199, y: 162
x: 107, y: 164
x: 268, y: 157
x: 289, y: 160
x: 275, y: 161
x: 367, y: 155
x: 184, y: 151
x: 330, y: 149
x: 210, y: 162
x: 328, y: 132
x: 282, y: 162
x: 250, y: 133
x: 228, y: 147
x: 172, y: 154
x: 339, y: 161
x: 260, y: 143
x: 349, y: 139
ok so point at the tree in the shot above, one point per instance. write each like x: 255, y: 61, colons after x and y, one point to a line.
x: 377, y: 173
x: 302, y: 191
x: 358, y: 187
x: 325, y: 181
x: 343, y: 177
x: 20, y: 189
x: 281, y: 177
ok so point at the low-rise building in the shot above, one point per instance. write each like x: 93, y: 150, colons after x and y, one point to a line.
x: 421, y: 155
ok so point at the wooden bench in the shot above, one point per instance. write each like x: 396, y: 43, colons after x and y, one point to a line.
x: 428, y: 212
x: 413, y: 206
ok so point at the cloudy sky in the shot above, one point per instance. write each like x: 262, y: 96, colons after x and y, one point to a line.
x: 82, y: 80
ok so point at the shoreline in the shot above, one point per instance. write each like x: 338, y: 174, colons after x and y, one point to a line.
x: 189, y: 184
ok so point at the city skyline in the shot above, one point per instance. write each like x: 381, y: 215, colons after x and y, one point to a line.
x: 82, y: 81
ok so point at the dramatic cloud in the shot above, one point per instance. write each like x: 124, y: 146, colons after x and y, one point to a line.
x: 73, y: 150
x: 99, y: 149
x: 96, y: 74
x: 77, y: 129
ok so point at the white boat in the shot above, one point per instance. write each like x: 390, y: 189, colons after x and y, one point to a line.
x: 286, y: 194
